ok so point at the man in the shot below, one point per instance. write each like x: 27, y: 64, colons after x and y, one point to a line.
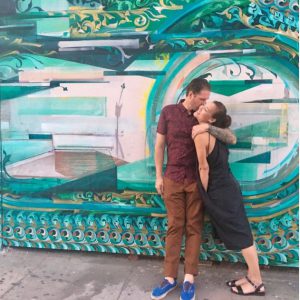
x: 178, y: 186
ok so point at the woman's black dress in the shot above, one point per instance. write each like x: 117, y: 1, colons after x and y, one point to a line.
x: 224, y: 203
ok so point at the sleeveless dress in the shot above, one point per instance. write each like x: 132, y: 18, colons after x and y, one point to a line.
x: 223, y: 201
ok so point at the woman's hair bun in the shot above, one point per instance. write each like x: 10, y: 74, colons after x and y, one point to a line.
x: 227, y: 121
x: 222, y: 119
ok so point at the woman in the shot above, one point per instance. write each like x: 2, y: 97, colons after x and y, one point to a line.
x: 222, y: 198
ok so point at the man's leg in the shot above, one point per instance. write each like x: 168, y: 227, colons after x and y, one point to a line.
x: 193, y: 228
x: 174, y: 198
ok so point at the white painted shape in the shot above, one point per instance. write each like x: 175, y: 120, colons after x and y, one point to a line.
x: 38, y: 166
x: 58, y: 74
x: 82, y: 141
x: 147, y: 65
x: 4, y: 125
x: 123, y: 43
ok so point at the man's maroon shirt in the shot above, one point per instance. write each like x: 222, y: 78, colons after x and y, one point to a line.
x: 176, y: 123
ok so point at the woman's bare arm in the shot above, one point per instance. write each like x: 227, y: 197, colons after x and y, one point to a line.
x: 201, y: 142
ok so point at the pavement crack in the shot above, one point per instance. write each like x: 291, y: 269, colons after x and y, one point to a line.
x: 14, y: 284
x: 125, y: 283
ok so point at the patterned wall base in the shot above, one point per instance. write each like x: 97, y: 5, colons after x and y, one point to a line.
x: 276, y: 239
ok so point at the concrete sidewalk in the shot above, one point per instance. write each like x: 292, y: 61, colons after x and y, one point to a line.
x: 31, y: 274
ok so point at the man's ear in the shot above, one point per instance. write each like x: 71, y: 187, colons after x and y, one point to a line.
x: 190, y: 94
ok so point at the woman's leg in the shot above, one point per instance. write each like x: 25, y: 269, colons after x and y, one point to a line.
x: 254, y: 275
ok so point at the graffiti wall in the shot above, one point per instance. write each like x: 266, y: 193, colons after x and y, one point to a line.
x: 82, y: 86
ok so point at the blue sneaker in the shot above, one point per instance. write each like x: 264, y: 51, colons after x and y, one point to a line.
x: 188, y: 291
x: 163, y: 290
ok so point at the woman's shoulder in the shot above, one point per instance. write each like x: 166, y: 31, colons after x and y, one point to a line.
x: 202, y: 138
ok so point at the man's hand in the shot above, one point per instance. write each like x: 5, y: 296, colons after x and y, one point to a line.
x: 197, y: 129
x: 159, y: 185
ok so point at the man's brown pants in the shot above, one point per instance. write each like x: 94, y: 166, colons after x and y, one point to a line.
x: 185, y: 216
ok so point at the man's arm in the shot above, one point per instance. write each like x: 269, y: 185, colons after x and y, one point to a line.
x: 223, y: 134
x: 159, y: 161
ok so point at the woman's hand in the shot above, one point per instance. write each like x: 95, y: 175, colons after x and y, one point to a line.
x: 197, y: 129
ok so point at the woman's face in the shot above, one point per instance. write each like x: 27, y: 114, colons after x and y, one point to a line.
x: 205, y: 113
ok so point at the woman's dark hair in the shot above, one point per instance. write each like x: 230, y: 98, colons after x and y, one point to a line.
x: 222, y: 119
x: 197, y: 85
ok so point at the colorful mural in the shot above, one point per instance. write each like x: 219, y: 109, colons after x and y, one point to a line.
x: 82, y: 86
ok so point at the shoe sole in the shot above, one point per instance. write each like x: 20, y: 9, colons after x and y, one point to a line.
x: 192, y: 298
x: 164, y: 295
x: 250, y: 294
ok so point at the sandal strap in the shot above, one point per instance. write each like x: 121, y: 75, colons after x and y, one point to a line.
x: 240, y: 290
x: 260, y: 286
x: 235, y: 280
x: 257, y: 291
x: 231, y: 283
x: 257, y: 287
x: 251, y: 282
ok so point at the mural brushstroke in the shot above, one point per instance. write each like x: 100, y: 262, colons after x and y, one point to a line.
x: 82, y: 86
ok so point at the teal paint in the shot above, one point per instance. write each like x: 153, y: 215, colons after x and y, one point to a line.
x: 86, y: 114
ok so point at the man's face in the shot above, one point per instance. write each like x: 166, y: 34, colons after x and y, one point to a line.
x: 200, y: 98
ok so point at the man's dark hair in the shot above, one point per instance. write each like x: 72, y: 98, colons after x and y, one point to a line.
x: 197, y: 85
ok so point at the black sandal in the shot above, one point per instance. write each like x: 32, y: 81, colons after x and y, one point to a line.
x: 256, y: 292
x: 232, y: 283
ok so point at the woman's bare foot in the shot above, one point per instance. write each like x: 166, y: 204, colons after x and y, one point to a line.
x: 248, y: 287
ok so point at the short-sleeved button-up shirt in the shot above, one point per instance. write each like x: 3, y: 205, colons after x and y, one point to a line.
x: 176, y: 124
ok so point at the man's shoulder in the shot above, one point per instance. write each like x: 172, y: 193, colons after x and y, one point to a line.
x: 170, y: 107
